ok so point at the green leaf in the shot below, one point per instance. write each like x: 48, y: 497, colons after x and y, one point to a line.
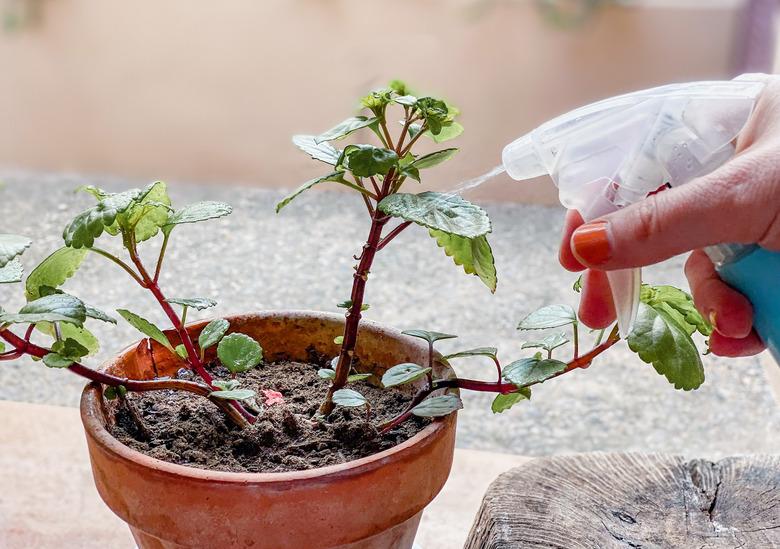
x: 228, y: 385
x: 146, y: 328
x: 549, y: 343
x: 679, y: 305
x: 439, y: 211
x: 50, y: 308
x: 377, y: 100
x: 234, y: 394
x: 12, y: 245
x: 479, y: 351
x: 357, y: 377
x: 473, y: 254
x: 2, y: 347
x: 338, y: 340
x: 434, y: 158
x: 659, y: 340
x: 70, y: 348
x: 96, y: 192
x: 527, y: 371
x: 411, y: 171
x: 577, y: 286
x: 68, y: 331
x: 97, y: 314
x: 345, y: 128
x: 434, y: 112
x: 148, y: 214
x: 198, y: 303
x: 336, y: 177
x: 91, y: 312
x: 239, y: 352
x: 349, y: 398
x: 348, y: 305
x: 430, y: 337
x: 447, y: 132
x: 406, y: 100
x: 199, y: 211
x: 399, y: 86
x: 324, y: 152
x: 53, y: 360
x: 406, y: 168
x: 503, y: 403
x: 438, y: 406
x: 551, y: 316
x: 11, y: 272
x: 54, y: 271
x: 212, y: 333
x: 401, y: 374
x: 326, y: 373
x: 181, y: 350
x: 367, y: 160
x: 90, y: 224
x: 414, y: 129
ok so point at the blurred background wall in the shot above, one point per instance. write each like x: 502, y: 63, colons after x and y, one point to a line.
x: 212, y: 91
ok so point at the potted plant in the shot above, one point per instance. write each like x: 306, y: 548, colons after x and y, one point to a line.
x: 295, y: 429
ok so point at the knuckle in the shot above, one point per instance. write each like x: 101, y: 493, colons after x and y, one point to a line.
x: 648, y: 219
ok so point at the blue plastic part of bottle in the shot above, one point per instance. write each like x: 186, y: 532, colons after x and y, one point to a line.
x: 755, y: 272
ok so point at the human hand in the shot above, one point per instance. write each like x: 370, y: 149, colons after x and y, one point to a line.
x: 739, y: 202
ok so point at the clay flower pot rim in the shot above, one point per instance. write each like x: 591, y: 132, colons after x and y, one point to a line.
x: 91, y: 410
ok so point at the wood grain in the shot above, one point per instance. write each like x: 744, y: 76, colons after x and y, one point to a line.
x: 629, y: 500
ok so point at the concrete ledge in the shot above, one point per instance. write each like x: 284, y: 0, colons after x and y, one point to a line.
x: 48, y: 499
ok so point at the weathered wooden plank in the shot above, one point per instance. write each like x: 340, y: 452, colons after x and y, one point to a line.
x: 629, y: 500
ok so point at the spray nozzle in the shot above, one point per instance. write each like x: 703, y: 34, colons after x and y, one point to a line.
x: 521, y: 161
x: 613, y: 153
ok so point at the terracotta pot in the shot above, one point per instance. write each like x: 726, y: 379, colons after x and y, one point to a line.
x: 370, y: 503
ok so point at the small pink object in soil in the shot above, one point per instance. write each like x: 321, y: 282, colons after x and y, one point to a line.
x: 272, y: 397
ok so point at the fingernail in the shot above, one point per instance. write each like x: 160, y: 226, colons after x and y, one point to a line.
x: 713, y: 319
x: 590, y: 243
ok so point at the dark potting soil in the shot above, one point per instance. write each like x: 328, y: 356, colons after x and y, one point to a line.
x: 190, y: 430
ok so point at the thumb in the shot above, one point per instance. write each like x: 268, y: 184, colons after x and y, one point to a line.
x: 712, y: 209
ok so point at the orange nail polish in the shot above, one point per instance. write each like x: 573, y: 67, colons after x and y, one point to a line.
x: 590, y: 243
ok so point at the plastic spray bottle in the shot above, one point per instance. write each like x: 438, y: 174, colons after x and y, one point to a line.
x: 615, y: 152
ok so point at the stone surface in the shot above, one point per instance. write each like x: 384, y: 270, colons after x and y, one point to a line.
x: 49, y: 500
x: 617, y: 501
x: 301, y: 259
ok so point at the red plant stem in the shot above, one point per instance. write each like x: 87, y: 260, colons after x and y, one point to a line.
x: 498, y: 368
x: 392, y: 234
x: 366, y: 200
x: 184, y: 335
x: 476, y: 385
x: 414, y: 139
x: 150, y: 284
x: 23, y: 346
x: 407, y: 122
x: 407, y: 413
x: 501, y: 387
x: 354, y: 313
x: 389, y: 140
x: 377, y: 190
x: 494, y: 387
